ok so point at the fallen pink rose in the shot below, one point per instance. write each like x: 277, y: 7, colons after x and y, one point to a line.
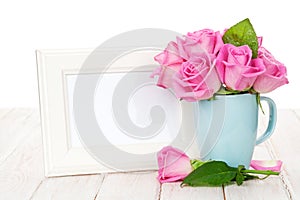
x: 174, y: 165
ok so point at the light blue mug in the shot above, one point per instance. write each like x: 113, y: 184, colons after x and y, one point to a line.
x: 227, y: 127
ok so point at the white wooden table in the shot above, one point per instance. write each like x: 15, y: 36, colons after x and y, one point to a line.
x: 22, y: 177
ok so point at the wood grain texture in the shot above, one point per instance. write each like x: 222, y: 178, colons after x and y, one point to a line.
x: 297, y: 112
x: 22, y: 175
x: 72, y: 187
x: 175, y: 192
x: 130, y: 186
x: 259, y: 189
x: 270, y: 188
x: 15, y: 125
x: 22, y: 171
x: 285, y: 143
x: 4, y: 112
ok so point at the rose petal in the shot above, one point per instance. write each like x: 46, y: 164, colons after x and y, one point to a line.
x: 274, y: 165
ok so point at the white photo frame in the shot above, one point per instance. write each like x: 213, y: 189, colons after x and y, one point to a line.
x: 64, y: 155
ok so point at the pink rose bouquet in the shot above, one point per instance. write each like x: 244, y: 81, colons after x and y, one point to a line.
x: 204, y: 63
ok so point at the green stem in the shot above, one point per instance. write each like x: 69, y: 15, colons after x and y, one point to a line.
x: 259, y: 102
x: 268, y: 172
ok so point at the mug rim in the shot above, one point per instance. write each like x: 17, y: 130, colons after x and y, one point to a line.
x: 234, y: 95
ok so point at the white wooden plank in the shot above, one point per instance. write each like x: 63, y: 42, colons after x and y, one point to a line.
x: 285, y: 142
x: 131, y: 186
x: 72, y: 187
x: 270, y: 188
x: 15, y: 125
x: 297, y: 111
x: 22, y: 171
x: 4, y: 112
x: 175, y: 192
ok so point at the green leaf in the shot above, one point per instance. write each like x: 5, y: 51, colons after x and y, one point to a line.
x: 214, y: 173
x: 225, y: 91
x: 239, y: 176
x: 197, y: 163
x: 242, y: 34
x: 239, y: 179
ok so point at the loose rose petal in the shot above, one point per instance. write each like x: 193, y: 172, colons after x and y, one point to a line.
x: 274, y: 165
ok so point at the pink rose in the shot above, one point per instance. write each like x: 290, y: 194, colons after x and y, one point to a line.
x: 235, y: 67
x: 170, y: 56
x: 273, y: 77
x: 196, y: 79
x: 174, y: 165
x: 191, y: 80
x: 170, y: 62
x: 199, y: 41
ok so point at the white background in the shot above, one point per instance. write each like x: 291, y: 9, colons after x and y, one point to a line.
x: 35, y: 24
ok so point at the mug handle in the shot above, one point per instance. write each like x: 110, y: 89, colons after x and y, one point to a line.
x: 272, y: 120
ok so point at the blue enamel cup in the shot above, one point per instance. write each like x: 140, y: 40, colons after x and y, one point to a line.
x: 227, y: 127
